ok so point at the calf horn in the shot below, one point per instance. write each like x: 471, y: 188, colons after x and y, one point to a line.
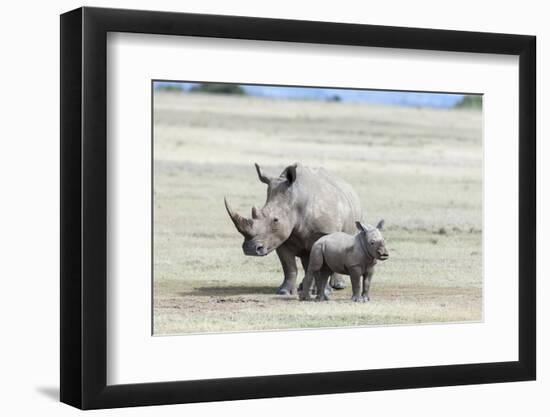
x: 242, y: 224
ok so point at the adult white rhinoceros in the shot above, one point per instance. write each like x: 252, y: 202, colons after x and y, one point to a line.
x: 302, y: 205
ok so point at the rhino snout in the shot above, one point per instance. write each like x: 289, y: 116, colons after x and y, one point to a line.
x: 383, y: 254
x: 252, y: 248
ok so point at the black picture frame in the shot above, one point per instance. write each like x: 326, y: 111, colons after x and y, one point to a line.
x: 84, y: 207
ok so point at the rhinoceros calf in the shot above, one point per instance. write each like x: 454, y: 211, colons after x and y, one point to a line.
x: 301, y: 206
x: 346, y: 254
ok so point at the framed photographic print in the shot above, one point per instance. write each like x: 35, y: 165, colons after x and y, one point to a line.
x: 256, y: 207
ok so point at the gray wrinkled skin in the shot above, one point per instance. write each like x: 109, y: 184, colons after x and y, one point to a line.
x: 302, y: 205
x: 350, y: 255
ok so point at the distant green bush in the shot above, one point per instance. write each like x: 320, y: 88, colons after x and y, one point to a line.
x: 470, y: 102
x: 214, y: 88
x: 169, y: 87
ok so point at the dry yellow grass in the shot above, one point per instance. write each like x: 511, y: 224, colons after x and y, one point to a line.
x: 420, y: 169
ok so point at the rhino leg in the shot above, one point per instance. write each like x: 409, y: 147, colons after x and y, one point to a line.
x: 328, y: 289
x: 305, y: 262
x: 338, y: 281
x: 290, y: 269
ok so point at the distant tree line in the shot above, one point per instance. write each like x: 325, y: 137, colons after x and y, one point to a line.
x: 169, y: 87
x: 470, y: 102
x: 210, y: 88
x: 215, y: 88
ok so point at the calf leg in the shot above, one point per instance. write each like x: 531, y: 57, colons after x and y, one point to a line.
x: 366, y: 283
x: 313, y: 288
x: 356, y: 285
x: 321, y: 281
x: 290, y: 269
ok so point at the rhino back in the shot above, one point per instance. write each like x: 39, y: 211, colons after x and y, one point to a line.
x: 325, y: 204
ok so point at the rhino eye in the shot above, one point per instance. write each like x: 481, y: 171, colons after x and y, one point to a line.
x: 372, y: 242
x: 275, y: 220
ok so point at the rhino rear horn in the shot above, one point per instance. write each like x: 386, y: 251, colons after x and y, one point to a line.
x: 242, y: 224
x: 263, y: 178
x: 255, y: 213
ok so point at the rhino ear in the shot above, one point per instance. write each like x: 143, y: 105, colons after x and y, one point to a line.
x: 360, y: 227
x: 290, y: 173
x: 380, y: 224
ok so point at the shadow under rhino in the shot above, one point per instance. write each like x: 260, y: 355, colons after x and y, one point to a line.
x: 229, y: 290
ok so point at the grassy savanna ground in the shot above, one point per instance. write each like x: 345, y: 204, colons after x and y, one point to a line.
x: 419, y: 169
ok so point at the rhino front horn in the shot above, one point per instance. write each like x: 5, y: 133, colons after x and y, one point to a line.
x: 242, y: 224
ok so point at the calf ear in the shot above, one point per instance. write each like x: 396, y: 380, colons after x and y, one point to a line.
x: 263, y: 178
x: 360, y: 227
x: 380, y: 224
x: 290, y: 173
